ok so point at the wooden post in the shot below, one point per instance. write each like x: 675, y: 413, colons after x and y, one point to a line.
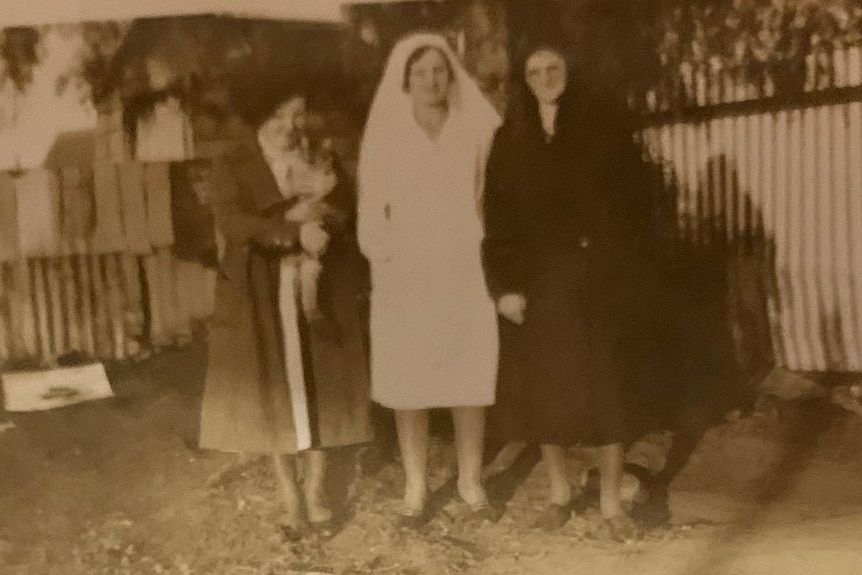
x: 86, y: 305
x: 114, y: 302
x: 78, y: 217
x: 41, y: 301
x: 52, y: 272
x: 192, y: 296
x: 810, y: 72
x: 70, y: 305
x: 157, y: 182
x: 158, y: 337
x: 109, y: 236
x: 134, y: 209
x: 133, y: 304
x: 4, y: 316
x: 23, y: 302
x: 9, y: 253
x: 854, y: 65
x: 104, y: 339
x: 185, y: 284
x: 839, y: 65
x: 168, y: 294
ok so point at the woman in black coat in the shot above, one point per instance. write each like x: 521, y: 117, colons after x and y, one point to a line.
x: 560, y: 234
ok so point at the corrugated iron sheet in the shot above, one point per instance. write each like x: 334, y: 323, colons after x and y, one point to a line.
x: 788, y: 182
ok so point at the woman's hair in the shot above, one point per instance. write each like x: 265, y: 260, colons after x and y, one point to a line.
x: 522, y: 115
x: 531, y: 44
x: 582, y: 111
x: 416, y: 55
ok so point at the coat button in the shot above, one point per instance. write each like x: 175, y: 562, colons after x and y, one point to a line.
x: 584, y: 242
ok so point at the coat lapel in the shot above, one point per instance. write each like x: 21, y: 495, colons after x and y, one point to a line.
x: 255, y: 173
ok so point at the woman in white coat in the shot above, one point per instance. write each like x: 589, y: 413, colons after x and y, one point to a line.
x: 433, y: 327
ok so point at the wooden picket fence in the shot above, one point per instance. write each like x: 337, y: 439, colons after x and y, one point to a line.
x: 106, y: 306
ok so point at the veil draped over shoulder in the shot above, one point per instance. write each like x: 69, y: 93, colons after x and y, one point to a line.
x: 390, y: 115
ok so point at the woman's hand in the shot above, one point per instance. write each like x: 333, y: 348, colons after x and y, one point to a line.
x: 316, y: 184
x: 313, y: 239
x: 279, y: 236
x: 512, y: 306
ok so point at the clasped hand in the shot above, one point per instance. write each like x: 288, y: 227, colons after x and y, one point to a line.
x: 279, y: 236
x: 282, y: 237
x: 313, y: 239
x: 513, y: 307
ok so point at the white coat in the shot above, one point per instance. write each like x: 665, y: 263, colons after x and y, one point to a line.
x: 433, y: 324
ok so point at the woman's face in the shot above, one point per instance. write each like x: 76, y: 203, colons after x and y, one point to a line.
x: 545, y: 73
x: 287, y: 122
x: 429, y: 79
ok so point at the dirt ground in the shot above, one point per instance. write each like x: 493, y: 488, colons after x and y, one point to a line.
x: 117, y: 487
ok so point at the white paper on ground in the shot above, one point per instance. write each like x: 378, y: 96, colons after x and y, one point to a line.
x: 50, y: 389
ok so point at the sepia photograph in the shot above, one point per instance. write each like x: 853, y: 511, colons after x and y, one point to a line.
x: 430, y: 287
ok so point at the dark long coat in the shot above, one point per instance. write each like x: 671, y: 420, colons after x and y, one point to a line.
x: 246, y: 404
x: 562, y: 226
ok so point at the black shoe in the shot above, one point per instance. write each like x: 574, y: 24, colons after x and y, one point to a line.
x: 485, y: 512
x: 654, y: 513
x: 293, y: 533
x: 553, y: 517
x: 413, y: 519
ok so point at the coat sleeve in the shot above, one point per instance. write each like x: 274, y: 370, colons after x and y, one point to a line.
x: 235, y: 219
x: 372, y: 222
x: 503, y: 246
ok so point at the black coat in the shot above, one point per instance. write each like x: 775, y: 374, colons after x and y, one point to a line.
x: 583, y: 189
x: 564, y: 223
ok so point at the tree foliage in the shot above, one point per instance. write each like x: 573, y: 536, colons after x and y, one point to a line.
x: 761, y: 40
x: 625, y: 46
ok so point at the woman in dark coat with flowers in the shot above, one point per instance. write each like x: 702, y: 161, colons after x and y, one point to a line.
x: 559, y: 235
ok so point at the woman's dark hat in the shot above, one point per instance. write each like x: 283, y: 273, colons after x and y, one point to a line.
x: 256, y: 99
x: 536, y: 39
